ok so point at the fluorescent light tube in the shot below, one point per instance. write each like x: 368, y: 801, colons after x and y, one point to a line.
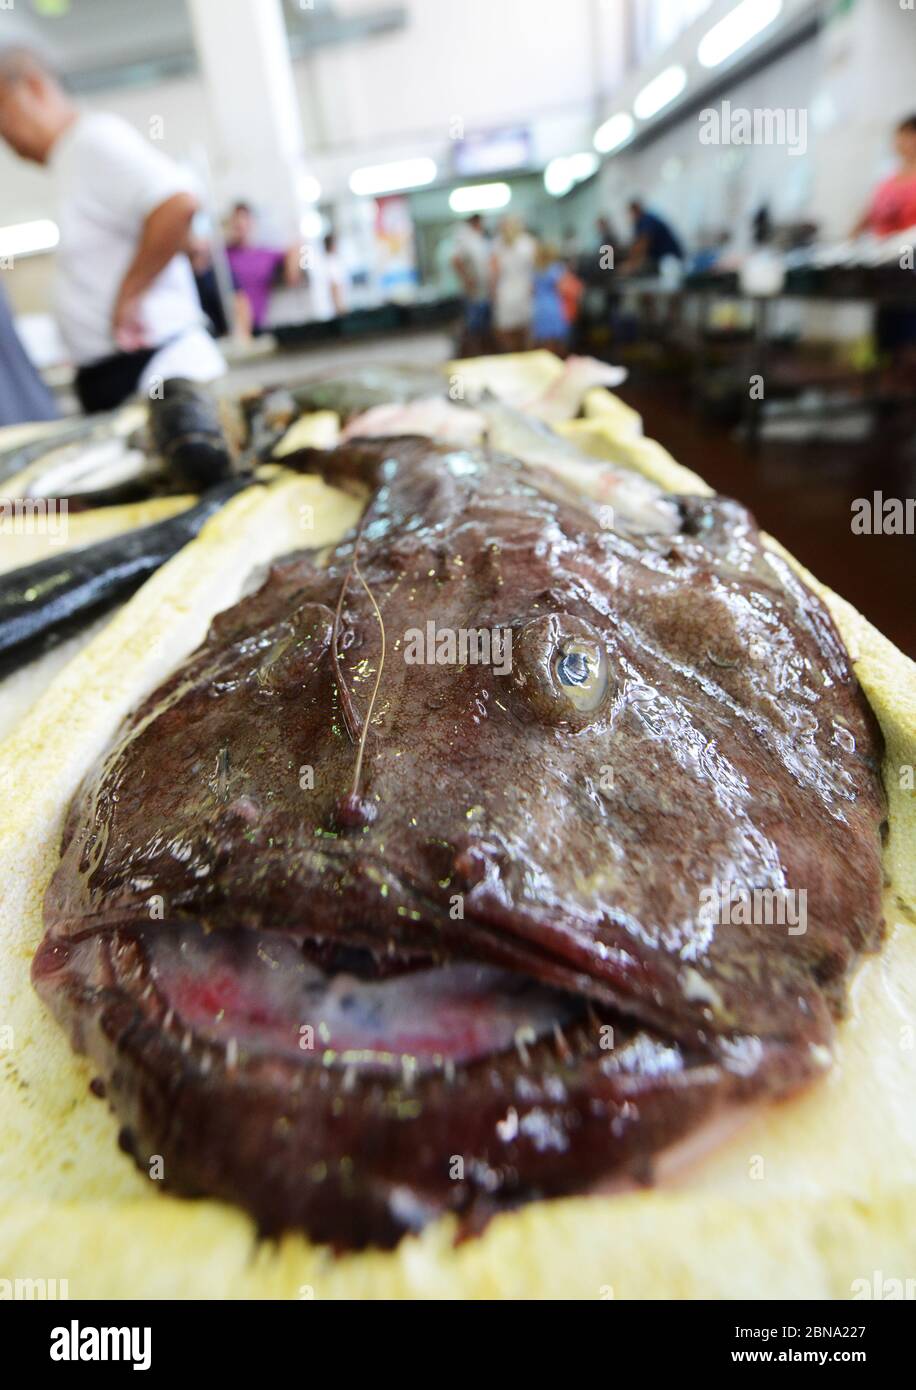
x: 393, y: 178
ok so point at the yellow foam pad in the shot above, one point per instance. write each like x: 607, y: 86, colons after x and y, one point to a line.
x: 808, y: 1198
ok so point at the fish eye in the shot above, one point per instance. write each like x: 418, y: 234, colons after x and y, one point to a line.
x: 581, y: 672
x: 561, y: 668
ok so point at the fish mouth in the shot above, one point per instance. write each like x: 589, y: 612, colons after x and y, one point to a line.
x: 518, y: 1094
x: 373, y: 936
x: 260, y: 995
x: 357, y: 947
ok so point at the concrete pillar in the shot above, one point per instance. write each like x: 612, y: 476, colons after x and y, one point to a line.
x: 247, y: 72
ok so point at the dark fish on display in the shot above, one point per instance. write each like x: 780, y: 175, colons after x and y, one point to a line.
x: 355, y: 939
x: 43, y: 603
x: 187, y: 432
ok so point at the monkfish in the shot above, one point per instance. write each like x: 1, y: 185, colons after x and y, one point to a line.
x: 479, y: 862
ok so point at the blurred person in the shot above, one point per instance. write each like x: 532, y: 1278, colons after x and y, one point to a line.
x: 893, y: 210
x: 893, y: 204
x: 607, y: 234
x: 556, y: 300
x: 471, y: 263
x: 710, y: 254
x: 200, y: 254
x: 444, y: 275
x: 653, y: 241
x: 125, y: 296
x: 337, y: 277
x: 328, y: 281
x: 762, y: 226
x: 512, y: 272
x: 571, y: 290
x: 569, y: 246
x: 602, y: 256
x: 23, y: 395
x: 255, y: 271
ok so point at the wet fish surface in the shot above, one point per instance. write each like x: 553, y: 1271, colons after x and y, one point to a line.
x: 361, y: 925
x: 188, y: 434
x: 351, y: 391
x: 68, y: 437
x: 44, y: 603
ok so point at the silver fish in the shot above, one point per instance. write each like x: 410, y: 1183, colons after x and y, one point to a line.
x: 636, y: 502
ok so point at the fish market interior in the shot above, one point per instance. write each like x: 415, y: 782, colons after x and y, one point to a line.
x: 457, y: 702
x: 719, y: 197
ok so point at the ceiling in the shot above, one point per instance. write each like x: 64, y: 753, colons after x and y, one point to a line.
x: 149, y: 42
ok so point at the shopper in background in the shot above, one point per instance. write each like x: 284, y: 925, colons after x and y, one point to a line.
x: 893, y: 205
x: 328, y: 281
x: 711, y: 252
x: 893, y: 210
x: 255, y: 271
x: 607, y: 239
x: 336, y: 272
x: 126, y: 300
x: 512, y: 271
x: 556, y: 300
x: 23, y: 394
x: 471, y: 263
x: 200, y: 254
x: 571, y: 290
x: 570, y: 249
x: 653, y: 241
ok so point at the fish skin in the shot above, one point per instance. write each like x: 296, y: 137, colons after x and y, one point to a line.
x: 635, y: 502
x: 433, y: 417
x: 490, y: 787
x: 103, y: 464
x: 187, y: 432
x: 13, y: 461
x: 678, y: 727
x: 79, y: 584
x: 563, y: 399
x: 350, y: 393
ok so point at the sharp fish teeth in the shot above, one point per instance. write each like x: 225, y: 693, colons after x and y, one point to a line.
x: 524, y: 1036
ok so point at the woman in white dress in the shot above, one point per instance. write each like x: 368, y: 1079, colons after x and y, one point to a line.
x: 513, y: 283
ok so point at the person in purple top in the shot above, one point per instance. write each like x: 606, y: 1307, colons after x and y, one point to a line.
x: 255, y: 271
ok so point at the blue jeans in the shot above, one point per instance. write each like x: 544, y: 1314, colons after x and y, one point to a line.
x: 477, y: 316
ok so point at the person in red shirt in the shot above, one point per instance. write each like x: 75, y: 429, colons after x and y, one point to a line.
x: 893, y: 210
x: 893, y: 204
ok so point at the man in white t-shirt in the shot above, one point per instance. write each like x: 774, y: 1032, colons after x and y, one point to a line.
x: 328, y: 281
x: 126, y: 300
